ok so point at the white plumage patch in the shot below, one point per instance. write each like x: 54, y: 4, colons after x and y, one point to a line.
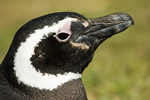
x: 25, y: 71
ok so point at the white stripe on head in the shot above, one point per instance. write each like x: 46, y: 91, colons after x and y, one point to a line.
x: 25, y: 71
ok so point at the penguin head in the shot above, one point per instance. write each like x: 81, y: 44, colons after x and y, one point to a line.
x: 60, y: 44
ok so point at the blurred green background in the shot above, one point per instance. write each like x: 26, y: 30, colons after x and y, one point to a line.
x: 120, y: 69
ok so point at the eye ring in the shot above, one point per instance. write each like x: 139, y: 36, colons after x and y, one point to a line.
x: 63, y: 37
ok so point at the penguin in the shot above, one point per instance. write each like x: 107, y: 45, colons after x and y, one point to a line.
x: 49, y: 54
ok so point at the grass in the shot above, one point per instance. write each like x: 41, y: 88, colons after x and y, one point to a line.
x: 120, y: 69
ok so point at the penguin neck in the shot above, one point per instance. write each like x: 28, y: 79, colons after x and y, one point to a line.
x: 72, y: 90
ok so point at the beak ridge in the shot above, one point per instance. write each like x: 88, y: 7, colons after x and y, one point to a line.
x: 104, y: 27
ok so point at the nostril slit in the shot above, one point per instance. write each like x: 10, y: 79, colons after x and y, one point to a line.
x: 62, y: 36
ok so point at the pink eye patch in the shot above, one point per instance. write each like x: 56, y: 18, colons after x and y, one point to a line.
x: 64, y: 33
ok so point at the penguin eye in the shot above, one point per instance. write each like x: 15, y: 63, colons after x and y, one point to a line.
x: 64, y: 33
x: 62, y: 37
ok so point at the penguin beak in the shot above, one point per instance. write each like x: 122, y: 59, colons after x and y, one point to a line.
x: 104, y: 27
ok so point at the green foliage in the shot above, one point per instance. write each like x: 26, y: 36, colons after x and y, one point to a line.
x: 120, y: 69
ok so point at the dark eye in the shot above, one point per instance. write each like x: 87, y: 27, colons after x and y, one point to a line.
x: 63, y: 37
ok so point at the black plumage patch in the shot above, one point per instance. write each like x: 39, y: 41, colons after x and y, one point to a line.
x: 58, y: 58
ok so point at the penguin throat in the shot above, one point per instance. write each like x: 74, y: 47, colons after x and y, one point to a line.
x: 26, y: 72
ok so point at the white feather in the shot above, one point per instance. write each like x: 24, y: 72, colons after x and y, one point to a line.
x: 25, y: 71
